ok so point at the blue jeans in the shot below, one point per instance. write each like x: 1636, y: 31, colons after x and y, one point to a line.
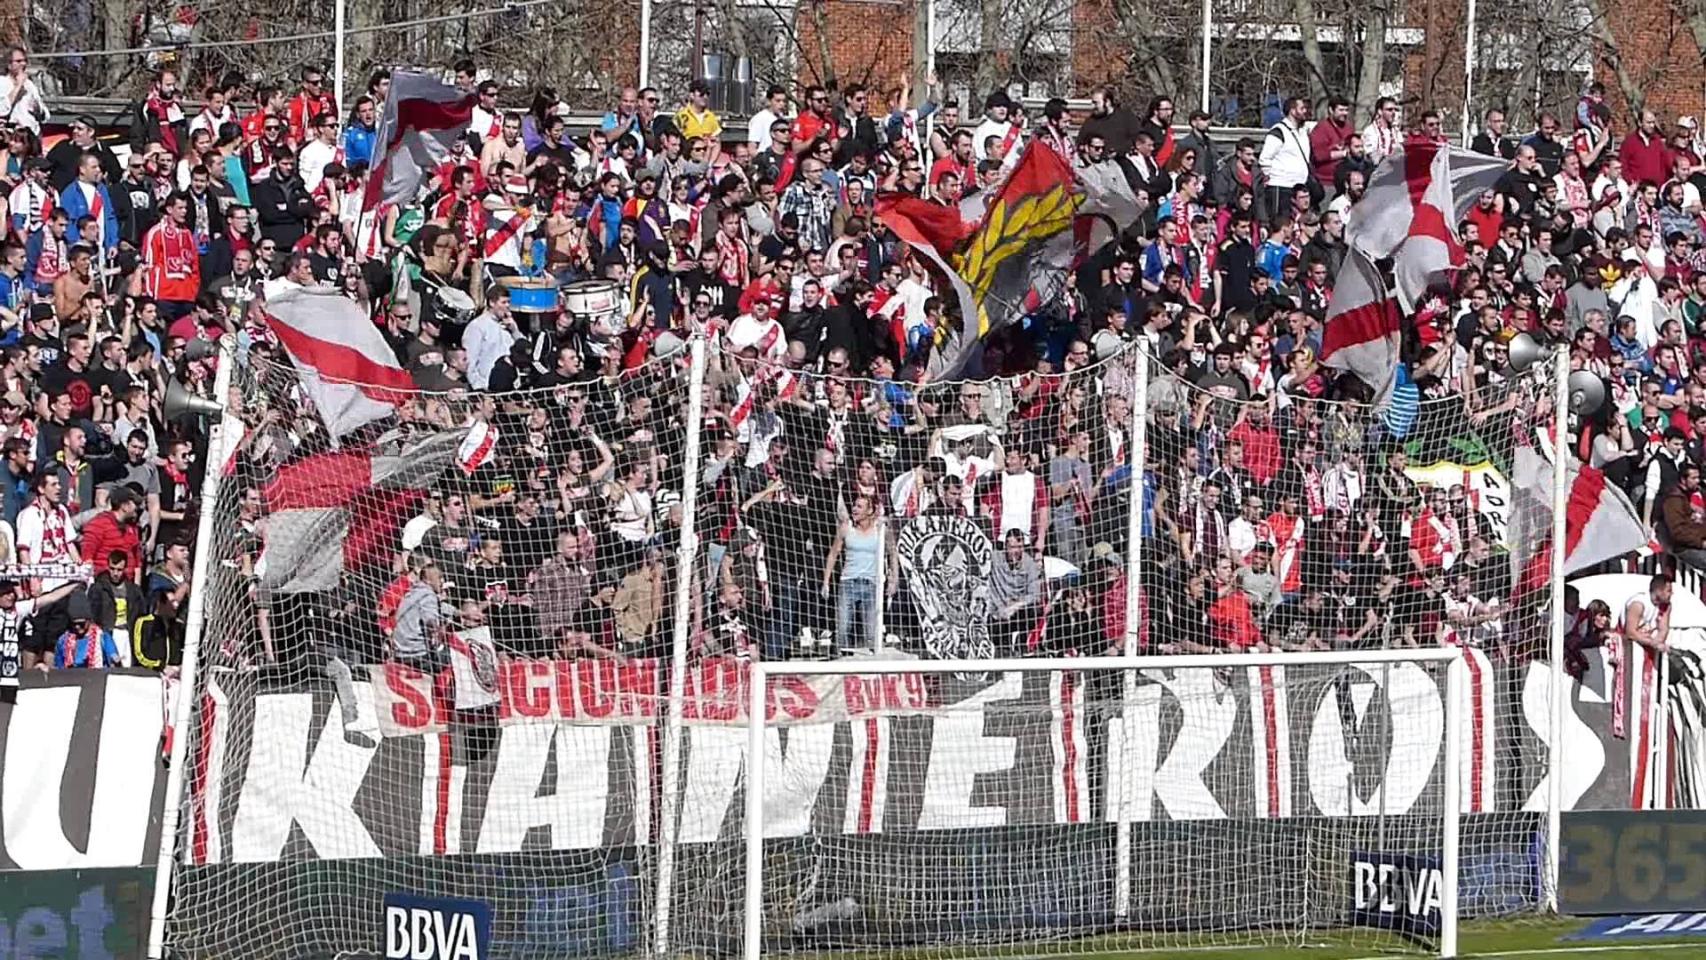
x: 857, y: 596
x: 787, y: 595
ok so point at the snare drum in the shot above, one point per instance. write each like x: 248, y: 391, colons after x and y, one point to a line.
x: 531, y: 294
x: 592, y: 300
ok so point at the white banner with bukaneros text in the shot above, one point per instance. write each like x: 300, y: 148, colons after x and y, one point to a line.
x: 571, y: 756
x: 272, y: 777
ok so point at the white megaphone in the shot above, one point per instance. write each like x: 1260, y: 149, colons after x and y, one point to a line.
x: 1586, y: 391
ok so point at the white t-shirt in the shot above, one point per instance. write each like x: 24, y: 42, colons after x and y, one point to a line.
x: 46, y: 532
x: 30, y: 110
x: 768, y: 336
x: 312, y: 162
x: 758, y: 128
x: 988, y: 128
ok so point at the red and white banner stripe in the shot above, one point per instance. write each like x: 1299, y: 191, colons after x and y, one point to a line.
x: 1072, y: 790
x: 477, y: 447
x: 347, y: 368
x: 1270, y: 728
x: 1361, y: 333
x: 867, y: 788
x: 1411, y: 215
x: 208, y: 779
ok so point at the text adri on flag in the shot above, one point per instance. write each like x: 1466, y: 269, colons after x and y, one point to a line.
x: 423, y: 115
x: 347, y: 368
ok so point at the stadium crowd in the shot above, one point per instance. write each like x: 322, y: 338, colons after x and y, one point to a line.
x: 1277, y: 511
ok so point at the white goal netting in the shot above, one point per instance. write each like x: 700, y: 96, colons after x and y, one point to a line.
x: 1092, y: 809
x: 439, y: 659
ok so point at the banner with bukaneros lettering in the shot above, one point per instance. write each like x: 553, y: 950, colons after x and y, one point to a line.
x: 574, y: 759
x: 81, y: 572
x: 1397, y: 892
x: 576, y: 749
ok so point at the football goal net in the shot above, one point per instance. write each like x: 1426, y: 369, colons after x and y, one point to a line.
x: 1081, y: 805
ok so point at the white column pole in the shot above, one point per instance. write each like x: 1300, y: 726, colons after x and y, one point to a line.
x: 188, y: 669
x: 1558, y: 689
x: 686, y: 566
x: 1135, y: 455
x: 1208, y: 48
x: 338, y: 59
x: 646, y: 43
x: 930, y: 70
x: 1469, y: 74
x: 753, y: 918
x: 1455, y: 692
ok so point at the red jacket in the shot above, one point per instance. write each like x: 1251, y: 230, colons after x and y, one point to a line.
x: 1645, y: 161
x: 103, y: 535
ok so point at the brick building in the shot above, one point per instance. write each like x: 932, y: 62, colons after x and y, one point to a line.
x: 1529, y: 56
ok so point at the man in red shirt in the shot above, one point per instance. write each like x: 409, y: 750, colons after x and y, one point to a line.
x: 1261, y: 442
x: 308, y: 104
x: 170, y: 260
x: 816, y: 120
x: 1329, y: 141
x: 272, y: 101
x: 1645, y: 157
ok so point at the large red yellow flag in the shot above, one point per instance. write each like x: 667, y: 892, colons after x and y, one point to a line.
x: 1006, y: 266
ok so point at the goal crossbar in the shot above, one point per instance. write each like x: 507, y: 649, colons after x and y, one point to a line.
x: 1452, y: 657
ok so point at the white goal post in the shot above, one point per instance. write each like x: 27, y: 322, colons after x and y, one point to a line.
x: 1130, y: 672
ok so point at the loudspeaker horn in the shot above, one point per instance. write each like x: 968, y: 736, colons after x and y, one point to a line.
x: 1587, y: 393
x: 179, y: 402
x: 1525, y: 352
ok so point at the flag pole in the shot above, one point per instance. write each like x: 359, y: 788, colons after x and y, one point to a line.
x: 196, y: 623
x: 1208, y: 48
x: 686, y: 560
x: 1468, y: 72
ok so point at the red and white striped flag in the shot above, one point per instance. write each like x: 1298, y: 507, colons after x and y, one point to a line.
x: 1411, y: 209
x: 347, y: 368
x: 1361, y: 334
x: 478, y: 447
x: 423, y: 116
x: 342, y: 509
x: 1600, y: 523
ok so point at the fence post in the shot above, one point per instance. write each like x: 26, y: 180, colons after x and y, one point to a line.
x: 1137, y: 455
x: 188, y: 669
x: 752, y: 918
x: 686, y: 566
x: 1558, y: 690
x: 1456, y: 697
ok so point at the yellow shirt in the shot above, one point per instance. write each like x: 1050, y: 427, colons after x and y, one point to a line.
x: 696, y: 125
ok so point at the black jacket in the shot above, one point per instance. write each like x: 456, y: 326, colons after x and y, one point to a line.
x: 284, y: 208
x: 64, y: 157
x: 133, y: 204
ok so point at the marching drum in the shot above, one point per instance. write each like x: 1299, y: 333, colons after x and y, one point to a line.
x: 592, y: 300
x: 531, y: 294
